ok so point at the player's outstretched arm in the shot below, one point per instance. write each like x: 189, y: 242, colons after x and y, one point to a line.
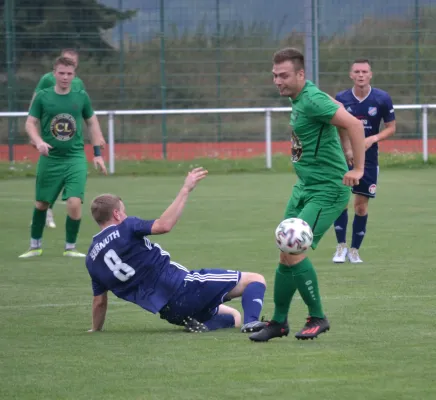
x: 172, y: 214
x: 356, y: 133
x: 99, y: 308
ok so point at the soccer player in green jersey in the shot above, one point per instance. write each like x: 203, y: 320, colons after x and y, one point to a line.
x: 322, y: 190
x: 47, y: 81
x: 62, y: 165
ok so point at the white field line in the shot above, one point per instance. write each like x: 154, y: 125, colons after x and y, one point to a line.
x: 119, y: 303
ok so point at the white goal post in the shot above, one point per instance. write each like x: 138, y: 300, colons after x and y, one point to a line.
x: 258, y: 110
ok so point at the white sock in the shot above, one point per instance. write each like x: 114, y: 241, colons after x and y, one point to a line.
x: 70, y: 246
x: 35, y: 243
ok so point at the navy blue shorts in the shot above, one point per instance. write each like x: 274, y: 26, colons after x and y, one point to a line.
x: 200, y: 295
x: 368, y: 184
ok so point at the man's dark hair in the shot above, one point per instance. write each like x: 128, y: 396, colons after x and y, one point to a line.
x: 295, y: 56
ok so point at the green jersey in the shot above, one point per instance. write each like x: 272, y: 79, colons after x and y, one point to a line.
x: 61, y: 118
x: 48, y: 80
x: 316, y: 149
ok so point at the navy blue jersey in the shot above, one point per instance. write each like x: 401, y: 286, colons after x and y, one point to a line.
x: 371, y: 110
x: 123, y: 260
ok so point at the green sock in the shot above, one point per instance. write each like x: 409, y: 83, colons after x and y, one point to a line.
x: 72, y: 229
x: 284, y: 289
x: 307, y: 283
x: 38, y: 223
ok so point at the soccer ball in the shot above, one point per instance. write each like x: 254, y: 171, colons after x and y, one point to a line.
x: 294, y: 236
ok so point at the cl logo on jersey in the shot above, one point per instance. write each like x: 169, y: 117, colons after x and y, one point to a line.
x: 372, y: 111
x: 63, y: 127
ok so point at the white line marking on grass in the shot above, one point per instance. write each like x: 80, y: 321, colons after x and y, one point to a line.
x: 53, y: 305
x: 15, y: 199
x: 118, y: 303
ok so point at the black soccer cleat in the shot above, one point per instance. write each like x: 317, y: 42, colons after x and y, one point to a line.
x: 314, y: 326
x: 193, y: 326
x: 273, y: 329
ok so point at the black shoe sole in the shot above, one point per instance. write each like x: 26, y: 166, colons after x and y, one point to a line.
x: 264, y: 341
x: 311, y: 337
x: 272, y: 337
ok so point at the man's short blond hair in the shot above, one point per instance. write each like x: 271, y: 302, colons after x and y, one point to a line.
x: 103, y: 206
x: 67, y: 62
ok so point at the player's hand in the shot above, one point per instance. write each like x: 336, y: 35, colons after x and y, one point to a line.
x: 195, y: 176
x: 99, y: 164
x: 43, y: 148
x: 351, y: 178
x: 349, y: 157
x: 369, y: 141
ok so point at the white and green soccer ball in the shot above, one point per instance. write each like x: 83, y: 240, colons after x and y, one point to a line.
x: 294, y: 236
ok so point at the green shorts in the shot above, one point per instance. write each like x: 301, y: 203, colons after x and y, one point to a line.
x: 319, y: 207
x: 53, y: 175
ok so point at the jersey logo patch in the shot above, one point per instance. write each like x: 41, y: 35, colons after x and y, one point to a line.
x: 349, y: 109
x: 63, y: 127
x: 296, y: 147
x: 372, y: 111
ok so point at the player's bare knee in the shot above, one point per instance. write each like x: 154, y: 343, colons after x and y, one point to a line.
x: 250, y: 277
x: 361, y: 209
x: 246, y: 279
x: 74, y: 207
x: 291, y: 259
x: 41, y: 205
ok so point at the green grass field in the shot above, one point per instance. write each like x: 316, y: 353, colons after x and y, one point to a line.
x: 382, y: 344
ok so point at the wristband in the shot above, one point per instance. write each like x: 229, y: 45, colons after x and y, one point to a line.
x: 97, y: 152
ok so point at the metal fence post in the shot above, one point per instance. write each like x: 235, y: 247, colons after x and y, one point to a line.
x: 425, y: 132
x: 268, y: 144
x: 111, y: 131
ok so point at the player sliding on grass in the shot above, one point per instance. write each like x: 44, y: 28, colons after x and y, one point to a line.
x: 62, y: 167
x: 321, y: 192
x: 121, y: 259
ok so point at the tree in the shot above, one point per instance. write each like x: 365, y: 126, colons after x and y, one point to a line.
x: 42, y: 27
